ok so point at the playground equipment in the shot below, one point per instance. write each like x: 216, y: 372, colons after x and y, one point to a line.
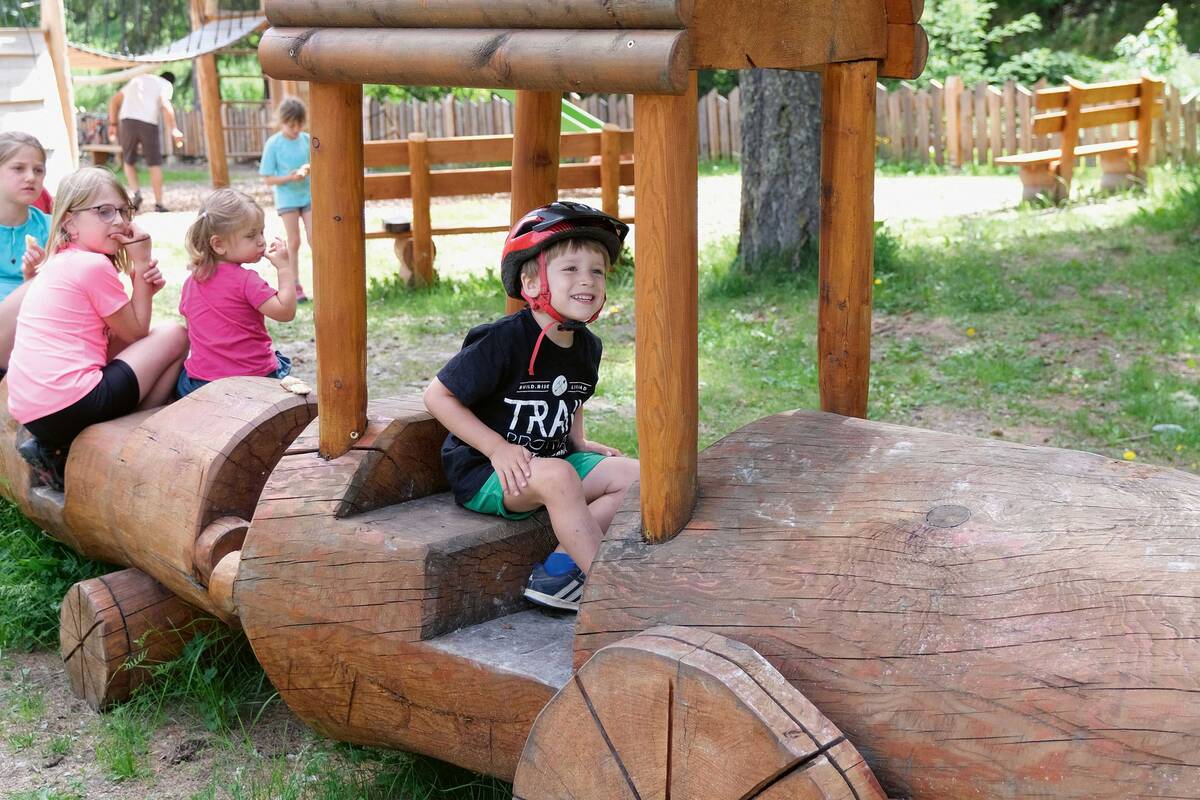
x: 1077, y: 106
x: 980, y: 618
x: 414, y: 243
x: 214, y: 30
x: 36, y: 96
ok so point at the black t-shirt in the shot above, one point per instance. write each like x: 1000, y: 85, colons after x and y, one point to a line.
x: 490, y: 376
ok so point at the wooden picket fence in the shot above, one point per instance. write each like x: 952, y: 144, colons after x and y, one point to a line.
x: 953, y: 124
x: 948, y: 124
x: 248, y: 124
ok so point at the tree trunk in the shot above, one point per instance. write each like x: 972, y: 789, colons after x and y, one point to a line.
x: 781, y: 166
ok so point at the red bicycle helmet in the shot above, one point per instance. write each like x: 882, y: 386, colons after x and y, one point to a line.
x: 533, y: 234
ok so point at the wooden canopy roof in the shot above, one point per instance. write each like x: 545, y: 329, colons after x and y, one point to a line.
x: 588, y: 45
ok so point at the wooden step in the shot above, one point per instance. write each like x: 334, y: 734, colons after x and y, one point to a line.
x: 357, y: 575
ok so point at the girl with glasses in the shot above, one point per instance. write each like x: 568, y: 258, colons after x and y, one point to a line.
x: 85, y: 352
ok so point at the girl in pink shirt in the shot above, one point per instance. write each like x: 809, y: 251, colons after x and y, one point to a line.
x: 225, y: 303
x: 84, y: 350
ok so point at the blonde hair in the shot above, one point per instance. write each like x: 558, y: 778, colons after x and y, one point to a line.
x: 77, y: 192
x: 223, y: 212
x: 12, y: 141
x: 292, y: 109
x: 530, y: 268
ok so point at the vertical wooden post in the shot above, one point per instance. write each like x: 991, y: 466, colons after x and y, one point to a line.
x: 847, y: 244
x: 1147, y: 97
x: 666, y: 148
x: 1070, y: 138
x: 953, y: 90
x: 422, y: 226
x: 339, y: 264
x: 54, y: 24
x: 610, y: 169
x: 537, y: 123
x: 208, y: 83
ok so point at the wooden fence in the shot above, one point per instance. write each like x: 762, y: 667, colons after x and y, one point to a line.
x: 955, y: 124
x: 946, y: 124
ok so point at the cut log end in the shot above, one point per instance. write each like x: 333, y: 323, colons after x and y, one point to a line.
x: 108, y: 622
x: 680, y: 712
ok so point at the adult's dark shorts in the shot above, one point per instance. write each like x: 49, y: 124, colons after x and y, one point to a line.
x: 131, y: 133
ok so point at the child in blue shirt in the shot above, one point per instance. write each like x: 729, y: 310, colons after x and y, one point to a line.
x: 285, y: 165
x: 23, y: 227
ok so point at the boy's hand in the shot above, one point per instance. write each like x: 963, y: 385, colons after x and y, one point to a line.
x: 303, y: 170
x: 511, y: 462
x: 589, y: 446
x: 277, y: 254
x: 33, y: 256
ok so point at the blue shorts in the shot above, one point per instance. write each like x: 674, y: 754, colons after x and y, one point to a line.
x: 290, y: 209
x: 490, y: 497
x: 187, y: 384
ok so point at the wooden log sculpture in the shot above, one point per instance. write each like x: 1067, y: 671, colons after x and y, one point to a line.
x: 356, y: 571
x: 168, y: 490
x: 681, y: 712
x: 114, y: 626
x: 982, y: 619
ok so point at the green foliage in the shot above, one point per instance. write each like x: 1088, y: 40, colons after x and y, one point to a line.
x: 1158, y: 48
x: 723, y: 80
x: 962, y: 38
x: 1055, y: 66
x: 387, y: 93
x: 35, y: 573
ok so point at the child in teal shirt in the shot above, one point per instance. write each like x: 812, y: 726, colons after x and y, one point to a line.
x: 285, y: 165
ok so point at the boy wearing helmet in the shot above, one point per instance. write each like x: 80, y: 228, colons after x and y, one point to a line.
x: 513, y: 397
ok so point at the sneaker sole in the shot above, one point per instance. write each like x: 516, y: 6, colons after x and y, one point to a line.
x: 549, y: 600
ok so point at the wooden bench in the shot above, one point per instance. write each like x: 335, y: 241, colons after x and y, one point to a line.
x: 609, y: 166
x: 101, y: 153
x: 1075, y: 107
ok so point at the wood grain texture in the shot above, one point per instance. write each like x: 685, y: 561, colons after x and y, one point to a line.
x: 981, y: 619
x: 208, y: 87
x: 352, y: 564
x: 681, y: 712
x: 779, y: 34
x: 847, y: 237
x: 1148, y: 95
x: 491, y: 14
x: 142, y: 489
x: 545, y: 60
x: 665, y: 288
x: 339, y: 263
x: 422, y: 225
x: 908, y: 50
x: 109, y: 623
x: 535, y: 155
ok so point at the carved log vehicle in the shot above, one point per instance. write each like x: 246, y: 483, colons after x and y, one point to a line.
x: 817, y: 606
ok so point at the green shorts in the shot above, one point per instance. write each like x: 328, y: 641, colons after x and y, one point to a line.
x: 490, y: 497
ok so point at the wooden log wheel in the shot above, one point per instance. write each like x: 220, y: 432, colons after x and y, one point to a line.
x: 668, y: 712
x: 115, y: 627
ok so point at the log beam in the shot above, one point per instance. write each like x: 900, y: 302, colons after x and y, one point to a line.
x: 558, y: 61
x: 339, y: 264
x: 537, y: 123
x: 847, y: 237
x: 588, y: 14
x: 208, y: 85
x: 665, y: 286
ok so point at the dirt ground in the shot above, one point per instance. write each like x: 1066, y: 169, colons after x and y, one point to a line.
x: 183, y: 755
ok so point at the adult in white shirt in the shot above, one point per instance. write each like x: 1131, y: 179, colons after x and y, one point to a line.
x: 133, y: 121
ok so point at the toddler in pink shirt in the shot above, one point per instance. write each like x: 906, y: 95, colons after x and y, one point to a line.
x: 225, y: 303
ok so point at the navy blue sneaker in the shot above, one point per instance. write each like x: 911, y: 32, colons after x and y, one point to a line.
x: 48, y: 465
x: 555, y: 591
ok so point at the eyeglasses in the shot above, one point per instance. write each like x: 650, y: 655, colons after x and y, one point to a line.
x: 108, y: 212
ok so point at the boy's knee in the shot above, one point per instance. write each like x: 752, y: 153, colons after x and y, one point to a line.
x: 554, y: 475
x: 628, y: 471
